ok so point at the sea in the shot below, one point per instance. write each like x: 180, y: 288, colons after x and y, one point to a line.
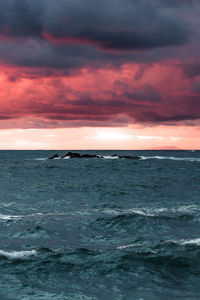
x: 89, y: 229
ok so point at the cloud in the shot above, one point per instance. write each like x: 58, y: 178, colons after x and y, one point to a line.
x: 191, y: 69
x: 108, y: 97
x: 148, y: 137
x: 91, y: 62
x: 113, y: 25
x: 72, y: 34
x: 144, y: 94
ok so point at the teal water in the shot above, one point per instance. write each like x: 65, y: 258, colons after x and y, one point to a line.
x: 100, y: 228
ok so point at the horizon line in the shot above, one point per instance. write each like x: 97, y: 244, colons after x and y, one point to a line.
x: 99, y: 149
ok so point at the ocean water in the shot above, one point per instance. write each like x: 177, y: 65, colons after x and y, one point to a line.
x: 100, y: 228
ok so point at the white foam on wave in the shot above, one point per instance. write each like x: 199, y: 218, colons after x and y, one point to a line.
x: 18, y: 254
x: 129, y: 246
x: 19, y: 217
x: 191, y: 159
x: 155, y: 212
x: 183, y: 242
x: 186, y: 208
x: 191, y: 242
x: 9, y: 217
x: 47, y: 158
x: 146, y: 212
x: 142, y: 212
x: 42, y: 158
x: 7, y: 204
x: 110, y: 157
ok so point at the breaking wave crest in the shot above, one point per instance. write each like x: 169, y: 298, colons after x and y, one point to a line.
x: 163, y: 212
x: 19, y: 217
x: 190, y: 210
x: 124, y: 257
x: 183, y: 242
x: 18, y: 254
x: 191, y: 159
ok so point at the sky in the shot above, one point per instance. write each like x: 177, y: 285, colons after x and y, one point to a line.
x: 91, y: 74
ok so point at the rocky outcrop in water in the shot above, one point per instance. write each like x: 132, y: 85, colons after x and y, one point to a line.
x: 129, y: 157
x: 54, y: 156
x: 78, y: 155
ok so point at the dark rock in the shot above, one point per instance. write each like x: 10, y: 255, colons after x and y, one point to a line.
x: 136, y: 157
x: 129, y: 157
x: 75, y: 155
x: 89, y: 156
x: 54, y: 156
x: 78, y: 155
x: 71, y: 155
x: 68, y: 154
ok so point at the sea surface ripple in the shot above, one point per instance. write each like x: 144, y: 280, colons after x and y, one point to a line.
x: 100, y: 228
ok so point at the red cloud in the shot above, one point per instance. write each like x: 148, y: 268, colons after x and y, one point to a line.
x: 104, y: 95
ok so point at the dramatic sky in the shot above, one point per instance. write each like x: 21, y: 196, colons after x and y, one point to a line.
x: 97, y: 74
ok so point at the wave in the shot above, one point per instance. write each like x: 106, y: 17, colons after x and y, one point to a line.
x: 183, y: 242
x: 42, y: 158
x: 110, y: 157
x: 9, y: 217
x: 190, y: 211
x: 117, y: 218
x: 156, y: 212
x: 19, y: 217
x: 151, y: 256
x: 191, y: 159
x: 162, y: 244
x: 18, y: 254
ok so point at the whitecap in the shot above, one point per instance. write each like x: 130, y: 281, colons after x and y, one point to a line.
x: 7, y: 204
x: 18, y: 254
x: 9, y: 217
x: 187, y: 208
x: 191, y: 242
x: 14, y: 217
x: 191, y: 159
x: 156, y: 212
x: 111, y: 157
x: 42, y: 158
x: 142, y: 213
x: 129, y: 246
x: 183, y: 242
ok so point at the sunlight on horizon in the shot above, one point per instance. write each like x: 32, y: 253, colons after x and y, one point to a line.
x: 125, y: 138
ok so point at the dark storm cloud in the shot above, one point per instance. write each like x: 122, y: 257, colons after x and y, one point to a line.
x: 196, y: 87
x: 144, y: 94
x: 62, y: 36
x: 116, y: 25
x: 72, y: 34
x: 191, y: 69
x: 153, y: 117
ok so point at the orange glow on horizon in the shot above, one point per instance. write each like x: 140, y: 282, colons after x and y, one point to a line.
x: 85, y: 138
